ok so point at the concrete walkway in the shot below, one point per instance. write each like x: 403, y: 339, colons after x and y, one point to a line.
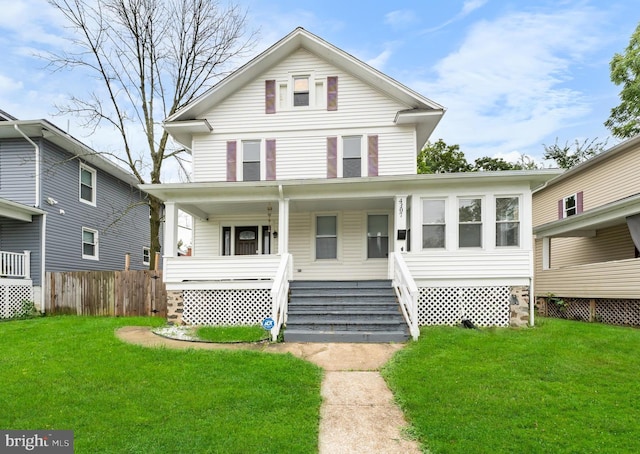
x: 357, y: 415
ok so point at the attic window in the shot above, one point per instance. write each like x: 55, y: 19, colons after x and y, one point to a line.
x: 301, y: 91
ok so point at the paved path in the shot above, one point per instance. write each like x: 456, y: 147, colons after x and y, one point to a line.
x: 357, y: 415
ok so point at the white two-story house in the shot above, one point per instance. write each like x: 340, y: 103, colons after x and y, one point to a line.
x: 304, y: 171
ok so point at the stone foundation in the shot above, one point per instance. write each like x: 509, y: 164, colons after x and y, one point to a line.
x: 175, y: 307
x: 519, y: 306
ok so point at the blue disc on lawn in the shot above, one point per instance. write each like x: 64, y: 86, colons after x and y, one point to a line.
x: 268, y: 323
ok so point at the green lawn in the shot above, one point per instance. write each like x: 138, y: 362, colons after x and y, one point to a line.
x: 562, y: 387
x: 73, y: 373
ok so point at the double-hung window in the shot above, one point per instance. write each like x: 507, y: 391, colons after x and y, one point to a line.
x: 326, y: 237
x: 507, y: 221
x: 377, y: 236
x: 146, y: 255
x: 300, y: 91
x: 570, y: 205
x: 469, y: 223
x: 89, y: 244
x: 433, y: 224
x: 251, y: 160
x: 352, y: 156
x: 87, y: 184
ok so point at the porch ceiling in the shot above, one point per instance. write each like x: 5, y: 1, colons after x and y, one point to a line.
x: 586, y: 223
x: 13, y: 210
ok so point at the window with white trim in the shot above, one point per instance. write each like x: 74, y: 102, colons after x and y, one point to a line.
x: 469, y: 223
x: 326, y: 237
x: 251, y: 160
x: 507, y: 221
x: 377, y: 236
x: 433, y: 224
x: 89, y: 244
x: 146, y: 255
x: 352, y: 156
x: 301, y: 91
x: 570, y: 205
x: 87, y: 184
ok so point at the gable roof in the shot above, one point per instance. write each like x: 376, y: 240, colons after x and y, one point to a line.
x: 421, y: 110
x: 603, y: 156
x: 10, y: 129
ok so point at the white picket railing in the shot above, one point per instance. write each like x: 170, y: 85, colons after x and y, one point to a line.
x: 15, y: 264
x: 407, y: 292
x: 280, y: 295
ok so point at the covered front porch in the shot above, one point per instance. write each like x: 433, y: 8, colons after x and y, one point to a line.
x: 16, y: 280
x: 604, y: 262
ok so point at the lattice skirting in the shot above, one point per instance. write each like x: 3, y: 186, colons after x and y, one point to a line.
x: 484, y: 306
x: 611, y: 311
x: 226, y: 307
x: 12, y: 294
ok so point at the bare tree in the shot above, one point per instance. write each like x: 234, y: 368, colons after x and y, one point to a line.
x: 150, y: 57
x: 570, y: 155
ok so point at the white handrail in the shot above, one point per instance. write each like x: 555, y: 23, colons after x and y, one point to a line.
x: 407, y: 292
x: 15, y: 264
x: 280, y: 295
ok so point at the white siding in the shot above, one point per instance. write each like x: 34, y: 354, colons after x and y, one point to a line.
x: 206, y: 235
x: 301, y: 133
x: 509, y: 267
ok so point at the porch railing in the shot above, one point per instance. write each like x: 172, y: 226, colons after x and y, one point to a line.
x: 280, y: 294
x: 407, y: 292
x: 15, y: 264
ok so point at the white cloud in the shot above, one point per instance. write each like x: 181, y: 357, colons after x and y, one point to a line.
x: 400, y: 18
x: 503, y: 86
x: 468, y: 7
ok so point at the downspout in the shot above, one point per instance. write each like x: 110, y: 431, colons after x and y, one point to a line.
x: 532, y: 303
x: 43, y: 254
x: 37, y: 149
x: 44, y: 217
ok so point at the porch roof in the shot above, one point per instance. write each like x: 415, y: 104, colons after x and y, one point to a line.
x: 585, y: 224
x: 204, y: 198
x: 18, y: 211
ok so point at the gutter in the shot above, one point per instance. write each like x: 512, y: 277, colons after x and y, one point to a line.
x: 37, y: 149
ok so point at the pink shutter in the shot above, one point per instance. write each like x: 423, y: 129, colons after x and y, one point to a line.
x: 231, y: 160
x: 270, y: 96
x: 372, y: 148
x: 271, y: 159
x: 332, y: 157
x: 332, y: 93
x: 560, y: 209
x: 579, y: 202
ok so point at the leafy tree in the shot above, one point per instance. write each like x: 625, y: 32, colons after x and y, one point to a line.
x: 150, y: 57
x: 571, y: 155
x: 439, y: 157
x: 491, y: 164
x: 624, y: 121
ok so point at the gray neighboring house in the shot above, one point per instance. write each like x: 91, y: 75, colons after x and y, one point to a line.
x: 63, y: 207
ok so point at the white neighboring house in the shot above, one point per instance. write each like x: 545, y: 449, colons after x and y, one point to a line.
x: 304, y: 169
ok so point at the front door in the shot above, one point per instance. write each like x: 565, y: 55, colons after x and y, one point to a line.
x: 246, y: 240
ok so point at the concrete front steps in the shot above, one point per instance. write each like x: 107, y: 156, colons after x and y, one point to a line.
x: 344, y: 311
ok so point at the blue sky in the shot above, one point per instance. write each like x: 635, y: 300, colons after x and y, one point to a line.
x: 513, y: 75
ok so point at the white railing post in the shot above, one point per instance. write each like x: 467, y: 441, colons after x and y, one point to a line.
x: 26, y: 270
x: 407, y: 292
x: 280, y: 294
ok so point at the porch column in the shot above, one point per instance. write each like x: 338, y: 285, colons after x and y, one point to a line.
x: 283, y: 226
x: 27, y: 265
x: 400, y: 223
x: 170, y: 229
x: 546, y: 253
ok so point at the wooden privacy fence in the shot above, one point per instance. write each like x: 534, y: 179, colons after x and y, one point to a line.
x: 115, y: 293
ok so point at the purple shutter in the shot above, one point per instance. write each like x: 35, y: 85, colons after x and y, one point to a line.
x: 270, y: 96
x: 332, y: 93
x: 579, y: 202
x: 372, y: 147
x: 560, y: 209
x: 271, y: 159
x: 332, y: 157
x: 231, y: 160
